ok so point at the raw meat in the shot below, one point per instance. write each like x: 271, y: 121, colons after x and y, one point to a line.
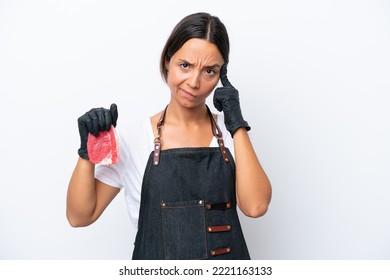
x: 103, y: 148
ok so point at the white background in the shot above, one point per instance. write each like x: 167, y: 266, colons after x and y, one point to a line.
x: 314, y: 79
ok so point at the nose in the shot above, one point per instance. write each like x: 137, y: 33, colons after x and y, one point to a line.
x: 193, y: 80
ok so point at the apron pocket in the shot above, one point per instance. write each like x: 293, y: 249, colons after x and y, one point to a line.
x: 184, y: 230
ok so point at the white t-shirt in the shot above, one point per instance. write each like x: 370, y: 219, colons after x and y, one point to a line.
x: 135, y: 145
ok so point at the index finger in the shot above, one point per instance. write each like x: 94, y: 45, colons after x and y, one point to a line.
x: 223, y: 76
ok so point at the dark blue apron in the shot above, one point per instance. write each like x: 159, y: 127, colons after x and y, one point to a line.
x: 188, y: 204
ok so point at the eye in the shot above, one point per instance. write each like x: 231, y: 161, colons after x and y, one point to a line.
x: 210, y: 72
x: 185, y: 65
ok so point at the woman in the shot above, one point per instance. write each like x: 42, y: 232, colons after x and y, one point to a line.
x: 184, y: 201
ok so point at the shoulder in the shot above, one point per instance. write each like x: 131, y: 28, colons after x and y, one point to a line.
x: 153, y: 121
x: 135, y: 135
x: 227, y: 139
x: 221, y: 124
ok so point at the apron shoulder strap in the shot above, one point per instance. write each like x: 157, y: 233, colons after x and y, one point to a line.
x: 218, y: 134
x: 157, y: 140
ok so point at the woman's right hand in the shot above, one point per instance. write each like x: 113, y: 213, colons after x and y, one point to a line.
x: 94, y: 121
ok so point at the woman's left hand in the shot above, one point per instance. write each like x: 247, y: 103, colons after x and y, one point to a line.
x: 226, y: 99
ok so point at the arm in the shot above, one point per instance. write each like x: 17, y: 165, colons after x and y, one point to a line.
x: 253, y: 188
x: 87, y: 197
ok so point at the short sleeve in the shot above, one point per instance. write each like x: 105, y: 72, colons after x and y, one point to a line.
x: 112, y: 174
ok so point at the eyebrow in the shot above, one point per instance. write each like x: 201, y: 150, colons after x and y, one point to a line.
x: 207, y: 66
x: 215, y: 65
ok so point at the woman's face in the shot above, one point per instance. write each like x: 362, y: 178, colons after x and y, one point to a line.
x: 193, y: 72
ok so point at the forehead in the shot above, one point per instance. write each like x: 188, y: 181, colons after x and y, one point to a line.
x: 199, y: 49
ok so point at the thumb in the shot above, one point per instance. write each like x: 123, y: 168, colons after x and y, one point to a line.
x: 114, y: 113
x: 217, y: 102
x: 223, y: 76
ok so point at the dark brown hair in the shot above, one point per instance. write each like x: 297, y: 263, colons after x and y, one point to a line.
x: 198, y: 25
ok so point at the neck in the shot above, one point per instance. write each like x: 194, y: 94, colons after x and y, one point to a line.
x: 180, y: 114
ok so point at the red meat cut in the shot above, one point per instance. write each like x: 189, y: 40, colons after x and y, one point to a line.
x: 103, y: 148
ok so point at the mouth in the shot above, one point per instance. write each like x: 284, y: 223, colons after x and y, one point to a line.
x: 187, y: 94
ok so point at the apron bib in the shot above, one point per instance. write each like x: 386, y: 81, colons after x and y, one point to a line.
x: 188, y: 204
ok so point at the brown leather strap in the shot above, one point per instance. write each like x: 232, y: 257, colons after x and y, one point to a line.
x: 218, y: 134
x: 157, y: 140
x: 220, y: 251
x: 219, y: 205
x: 214, y: 126
x: 157, y: 150
x: 161, y: 120
x: 221, y: 228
